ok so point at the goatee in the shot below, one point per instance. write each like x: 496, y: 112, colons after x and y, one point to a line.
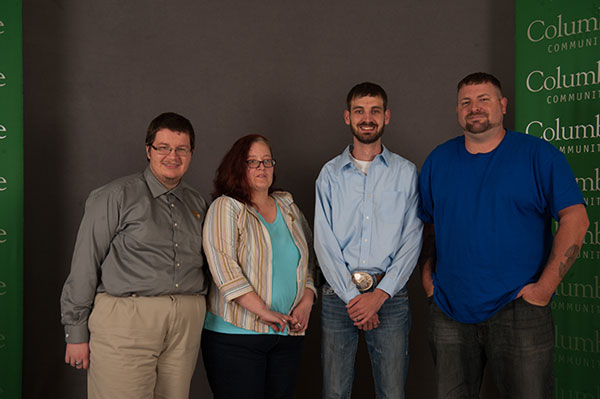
x: 366, y: 139
x: 477, y: 127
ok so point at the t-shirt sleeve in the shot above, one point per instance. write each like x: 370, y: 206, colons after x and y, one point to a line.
x: 559, y: 184
x: 425, y: 198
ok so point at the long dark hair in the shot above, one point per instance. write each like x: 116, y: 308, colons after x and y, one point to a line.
x: 231, y: 177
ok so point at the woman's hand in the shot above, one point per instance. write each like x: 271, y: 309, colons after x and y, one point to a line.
x: 277, y: 321
x: 301, y: 313
x: 251, y: 301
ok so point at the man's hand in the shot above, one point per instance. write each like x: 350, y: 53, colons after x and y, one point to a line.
x: 535, y: 294
x: 369, y: 324
x: 572, y: 225
x: 362, y: 307
x: 78, y: 355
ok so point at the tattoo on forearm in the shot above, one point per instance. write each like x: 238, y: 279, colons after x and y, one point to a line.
x: 571, y: 255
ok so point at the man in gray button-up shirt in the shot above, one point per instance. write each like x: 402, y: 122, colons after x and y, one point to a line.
x: 133, y: 304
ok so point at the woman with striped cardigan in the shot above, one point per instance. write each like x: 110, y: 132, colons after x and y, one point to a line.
x: 259, y: 250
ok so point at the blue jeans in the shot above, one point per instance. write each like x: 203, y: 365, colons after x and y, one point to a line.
x: 517, y: 342
x: 387, y: 345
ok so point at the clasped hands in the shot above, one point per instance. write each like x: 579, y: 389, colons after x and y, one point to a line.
x: 297, y: 320
x: 363, y: 308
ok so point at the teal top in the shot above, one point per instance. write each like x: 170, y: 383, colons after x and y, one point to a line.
x: 286, y: 258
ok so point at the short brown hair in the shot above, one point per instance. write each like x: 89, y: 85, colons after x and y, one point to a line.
x: 366, y: 89
x: 172, y: 121
x: 478, y: 78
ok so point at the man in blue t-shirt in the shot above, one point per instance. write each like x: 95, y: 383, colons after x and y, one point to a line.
x: 489, y: 261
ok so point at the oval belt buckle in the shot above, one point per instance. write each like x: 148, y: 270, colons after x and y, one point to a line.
x: 362, y: 280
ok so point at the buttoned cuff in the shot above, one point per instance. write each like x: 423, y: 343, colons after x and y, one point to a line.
x: 77, y: 334
x: 347, y: 296
x: 388, y: 286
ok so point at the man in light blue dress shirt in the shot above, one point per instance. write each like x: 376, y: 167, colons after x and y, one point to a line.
x: 367, y: 241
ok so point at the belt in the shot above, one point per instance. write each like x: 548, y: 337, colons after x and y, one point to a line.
x: 365, y: 281
x: 136, y: 295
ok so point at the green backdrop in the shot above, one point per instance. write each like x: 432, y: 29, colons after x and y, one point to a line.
x: 11, y: 198
x: 557, y: 98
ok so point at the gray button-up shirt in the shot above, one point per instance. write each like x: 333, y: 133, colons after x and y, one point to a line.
x: 136, y: 237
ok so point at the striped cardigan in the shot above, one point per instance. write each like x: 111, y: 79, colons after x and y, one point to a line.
x: 238, y: 249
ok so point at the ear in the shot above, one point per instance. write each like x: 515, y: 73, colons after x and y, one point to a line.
x: 504, y: 103
x: 387, y: 116
x: 347, y: 117
x: 148, y: 152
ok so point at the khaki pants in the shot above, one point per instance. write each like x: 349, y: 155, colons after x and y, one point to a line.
x: 144, y: 347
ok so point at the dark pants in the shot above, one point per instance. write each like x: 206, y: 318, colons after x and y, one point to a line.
x: 251, y: 366
x: 517, y: 342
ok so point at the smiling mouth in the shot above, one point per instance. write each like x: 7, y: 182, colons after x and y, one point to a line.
x: 367, y: 127
x: 171, y: 166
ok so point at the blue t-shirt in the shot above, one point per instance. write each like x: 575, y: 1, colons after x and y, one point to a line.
x: 286, y: 258
x: 492, y: 214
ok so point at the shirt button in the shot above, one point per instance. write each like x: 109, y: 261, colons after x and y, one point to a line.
x: 364, y: 261
x: 176, y: 285
x: 175, y: 224
x: 172, y: 205
x: 366, y: 240
x: 176, y: 245
x: 177, y: 264
x: 366, y: 217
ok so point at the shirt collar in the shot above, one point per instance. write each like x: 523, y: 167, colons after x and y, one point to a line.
x: 346, y: 158
x: 156, y: 187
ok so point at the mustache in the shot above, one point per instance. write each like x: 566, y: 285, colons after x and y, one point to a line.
x: 472, y: 114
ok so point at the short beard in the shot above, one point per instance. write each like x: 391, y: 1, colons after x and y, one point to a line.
x: 369, y: 139
x: 482, y: 127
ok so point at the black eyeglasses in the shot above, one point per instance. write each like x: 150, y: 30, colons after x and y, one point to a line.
x: 255, y: 163
x: 166, y: 150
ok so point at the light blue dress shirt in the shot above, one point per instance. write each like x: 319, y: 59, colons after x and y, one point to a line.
x: 367, y: 222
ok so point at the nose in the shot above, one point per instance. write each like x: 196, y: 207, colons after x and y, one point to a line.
x: 172, y: 154
x: 475, y: 106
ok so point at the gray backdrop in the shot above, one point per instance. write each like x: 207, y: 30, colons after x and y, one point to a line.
x: 96, y: 72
